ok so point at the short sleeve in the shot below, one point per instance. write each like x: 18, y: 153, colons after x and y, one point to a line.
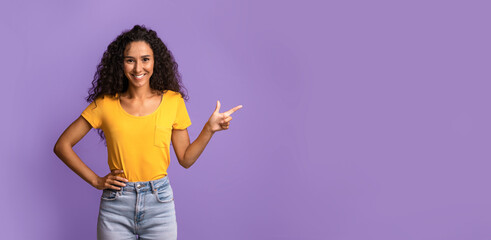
x: 93, y: 114
x: 182, y: 120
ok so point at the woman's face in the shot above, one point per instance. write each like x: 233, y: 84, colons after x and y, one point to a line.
x: 138, y: 63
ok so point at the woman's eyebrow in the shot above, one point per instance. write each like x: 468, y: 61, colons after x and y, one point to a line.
x: 134, y: 57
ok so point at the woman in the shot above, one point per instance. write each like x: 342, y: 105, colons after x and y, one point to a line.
x: 137, y: 106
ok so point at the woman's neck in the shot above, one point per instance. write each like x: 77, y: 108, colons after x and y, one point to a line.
x: 139, y: 93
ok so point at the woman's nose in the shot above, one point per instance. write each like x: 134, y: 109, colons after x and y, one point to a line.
x: 138, y: 66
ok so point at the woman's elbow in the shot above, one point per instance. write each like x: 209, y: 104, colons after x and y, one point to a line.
x: 58, y: 148
x: 184, y: 165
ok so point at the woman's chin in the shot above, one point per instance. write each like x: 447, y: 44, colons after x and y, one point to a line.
x: 139, y: 84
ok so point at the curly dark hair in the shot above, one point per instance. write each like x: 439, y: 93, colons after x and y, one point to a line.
x: 109, y: 79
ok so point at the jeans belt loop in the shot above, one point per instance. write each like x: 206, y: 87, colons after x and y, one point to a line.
x: 152, y: 186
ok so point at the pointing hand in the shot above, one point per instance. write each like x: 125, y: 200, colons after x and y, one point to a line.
x: 221, y: 121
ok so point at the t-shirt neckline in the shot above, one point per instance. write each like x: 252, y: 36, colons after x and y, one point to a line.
x: 133, y: 116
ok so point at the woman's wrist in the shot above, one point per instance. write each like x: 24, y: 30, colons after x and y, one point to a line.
x: 207, y: 128
x: 95, y: 182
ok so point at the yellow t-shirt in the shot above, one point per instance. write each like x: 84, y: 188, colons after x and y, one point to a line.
x: 138, y: 145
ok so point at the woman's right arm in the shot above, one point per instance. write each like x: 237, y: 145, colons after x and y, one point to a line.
x: 64, y: 150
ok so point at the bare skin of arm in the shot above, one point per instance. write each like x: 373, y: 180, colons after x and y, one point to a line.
x: 64, y: 150
x: 187, y: 153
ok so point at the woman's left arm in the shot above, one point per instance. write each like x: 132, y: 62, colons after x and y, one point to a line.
x: 187, y: 153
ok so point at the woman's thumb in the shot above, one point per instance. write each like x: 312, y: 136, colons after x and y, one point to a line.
x: 217, y: 107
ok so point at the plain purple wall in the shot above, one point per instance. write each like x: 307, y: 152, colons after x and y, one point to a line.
x: 361, y: 119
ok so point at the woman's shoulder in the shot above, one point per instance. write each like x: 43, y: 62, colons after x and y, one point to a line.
x: 104, y: 99
x: 170, y: 93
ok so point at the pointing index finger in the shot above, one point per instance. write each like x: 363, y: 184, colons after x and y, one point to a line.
x: 229, y: 112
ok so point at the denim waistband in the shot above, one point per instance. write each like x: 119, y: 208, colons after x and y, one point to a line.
x: 145, y: 186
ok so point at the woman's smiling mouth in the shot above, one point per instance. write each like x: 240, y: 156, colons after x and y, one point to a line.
x: 138, y: 76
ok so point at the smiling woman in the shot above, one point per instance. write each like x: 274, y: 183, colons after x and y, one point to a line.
x: 137, y: 105
x: 138, y: 63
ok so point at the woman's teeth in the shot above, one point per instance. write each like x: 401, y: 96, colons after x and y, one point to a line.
x: 139, y: 76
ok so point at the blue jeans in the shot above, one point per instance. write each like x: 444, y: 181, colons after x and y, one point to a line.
x: 140, y: 210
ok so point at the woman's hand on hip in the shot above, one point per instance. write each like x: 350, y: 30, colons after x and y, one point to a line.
x: 221, y: 121
x: 111, y: 181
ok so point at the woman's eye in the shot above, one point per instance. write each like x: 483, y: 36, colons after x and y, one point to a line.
x: 129, y: 61
x: 146, y: 59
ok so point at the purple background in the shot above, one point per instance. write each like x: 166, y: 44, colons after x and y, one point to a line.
x: 361, y: 119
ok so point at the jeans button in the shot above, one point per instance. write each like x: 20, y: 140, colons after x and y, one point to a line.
x: 138, y: 186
